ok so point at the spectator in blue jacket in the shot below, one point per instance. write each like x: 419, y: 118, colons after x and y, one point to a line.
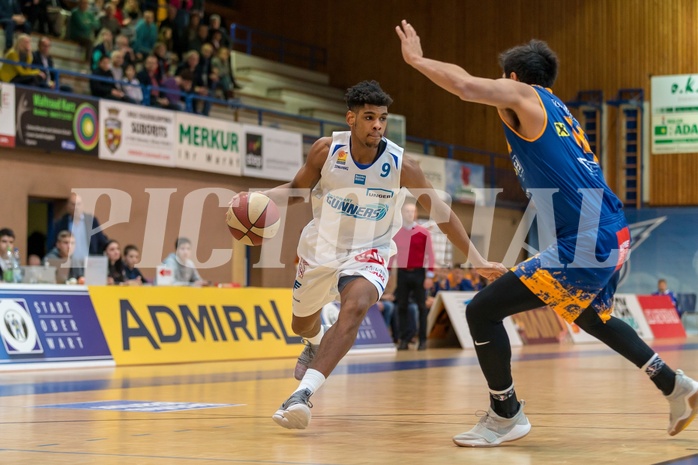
x: 146, y: 36
x: 662, y: 289
x: 11, y: 18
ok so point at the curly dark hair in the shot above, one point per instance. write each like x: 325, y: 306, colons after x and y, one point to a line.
x: 367, y: 93
x: 533, y: 63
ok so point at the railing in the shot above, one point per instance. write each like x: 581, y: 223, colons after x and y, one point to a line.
x: 498, y: 171
x: 278, y: 47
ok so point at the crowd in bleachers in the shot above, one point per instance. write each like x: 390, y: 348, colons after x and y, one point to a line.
x: 167, y: 46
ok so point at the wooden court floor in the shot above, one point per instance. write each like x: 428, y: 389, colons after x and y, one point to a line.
x: 587, y: 406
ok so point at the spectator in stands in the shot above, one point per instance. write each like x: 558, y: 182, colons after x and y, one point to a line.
x: 440, y: 283
x: 181, y: 83
x: 19, y: 74
x: 96, y: 8
x: 214, y: 25
x: 131, y: 14
x: 166, y: 37
x: 132, y: 256
x: 160, y: 52
x: 106, y: 89
x: 81, y: 224
x: 7, y: 242
x: 118, y: 11
x: 43, y: 58
x: 82, y: 27
x: 103, y: 47
x: 183, y: 270
x: 117, y: 67
x: 109, y: 21
x: 123, y: 46
x: 208, y: 72
x: 146, y: 35
x: 192, y: 30
x: 662, y: 289
x: 191, y: 62
x: 200, y: 38
x: 134, y: 91
x: 36, y: 12
x: 116, y: 270
x: 33, y: 260
x: 11, y: 18
x: 64, y: 252
x: 148, y: 76
x: 180, y: 34
x: 222, y: 63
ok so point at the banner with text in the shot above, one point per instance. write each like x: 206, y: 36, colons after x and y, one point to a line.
x: 373, y: 335
x: 136, y: 134
x: 49, y: 324
x: 674, y: 114
x: 463, y: 180
x: 434, y: 168
x: 52, y: 122
x: 661, y: 316
x: 272, y: 153
x: 209, y: 144
x: 540, y: 326
x: 7, y: 115
x: 627, y: 308
x: 146, y: 325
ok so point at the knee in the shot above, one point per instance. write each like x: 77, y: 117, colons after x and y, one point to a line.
x: 475, y: 311
x: 305, y: 326
x: 588, y: 320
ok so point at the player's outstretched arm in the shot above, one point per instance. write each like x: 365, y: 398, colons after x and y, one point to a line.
x: 412, y: 177
x: 500, y: 93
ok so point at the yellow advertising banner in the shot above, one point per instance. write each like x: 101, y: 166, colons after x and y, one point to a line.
x: 145, y: 325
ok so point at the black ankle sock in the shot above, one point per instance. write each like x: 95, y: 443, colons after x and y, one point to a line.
x: 505, y: 405
x: 665, y: 379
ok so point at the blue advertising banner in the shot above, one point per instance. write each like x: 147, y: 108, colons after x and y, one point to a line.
x: 373, y: 334
x: 49, y: 324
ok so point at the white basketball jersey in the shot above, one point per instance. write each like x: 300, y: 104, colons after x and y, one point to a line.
x: 355, y: 207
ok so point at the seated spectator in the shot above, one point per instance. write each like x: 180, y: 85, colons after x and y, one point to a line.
x: 103, y: 47
x: 214, y: 26
x: 122, y: 45
x: 33, y: 260
x: 221, y: 62
x: 106, y: 89
x: 192, y: 31
x: 36, y: 12
x: 460, y: 282
x: 191, y: 62
x: 82, y: 27
x: 19, y: 74
x: 160, y: 52
x: 200, y: 39
x: 166, y: 36
x: 182, y: 83
x: 146, y: 35
x: 109, y: 21
x: 11, y: 19
x: 134, y: 91
x: 7, y: 242
x: 183, y: 270
x: 117, y: 67
x: 134, y: 277
x: 61, y: 256
x: 43, y: 57
x: 131, y: 13
x: 148, y: 76
x: 662, y: 289
x: 116, y: 270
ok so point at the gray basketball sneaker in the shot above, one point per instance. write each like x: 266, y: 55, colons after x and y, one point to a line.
x: 492, y: 430
x: 683, y: 403
x: 295, y: 412
x: 305, y: 359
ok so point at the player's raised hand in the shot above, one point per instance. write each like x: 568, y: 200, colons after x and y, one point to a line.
x: 411, y: 48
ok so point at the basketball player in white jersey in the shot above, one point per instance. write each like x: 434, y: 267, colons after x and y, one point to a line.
x: 356, y: 179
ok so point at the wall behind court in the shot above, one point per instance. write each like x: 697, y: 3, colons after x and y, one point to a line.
x: 602, y: 44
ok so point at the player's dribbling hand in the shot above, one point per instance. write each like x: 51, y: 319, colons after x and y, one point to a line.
x: 492, y: 271
x: 411, y: 47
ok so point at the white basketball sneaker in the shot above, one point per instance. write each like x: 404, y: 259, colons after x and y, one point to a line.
x: 492, y: 430
x: 683, y: 403
x: 295, y: 412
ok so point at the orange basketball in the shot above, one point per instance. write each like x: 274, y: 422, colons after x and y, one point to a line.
x: 252, y: 217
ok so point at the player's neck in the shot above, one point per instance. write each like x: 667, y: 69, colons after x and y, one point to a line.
x: 361, y: 153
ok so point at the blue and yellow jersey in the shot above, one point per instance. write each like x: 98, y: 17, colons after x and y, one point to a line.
x: 560, y: 158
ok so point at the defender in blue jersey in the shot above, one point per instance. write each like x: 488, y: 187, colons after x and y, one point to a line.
x: 581, y: 223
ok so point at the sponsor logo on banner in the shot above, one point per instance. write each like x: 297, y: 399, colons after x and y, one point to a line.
x: 372, y: 334
x: 49, y: 325
x: 51, y: 122
x: 661, y: 316
x: 7, y: 115
x: 17, y: 329
x: 136, y: 134
x: 181, y: 324
x: 627, y: 308
x: 540, y: 326
x: 271, y: 153
x: 209, y: 144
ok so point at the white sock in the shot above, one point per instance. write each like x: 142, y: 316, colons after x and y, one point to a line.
x: 315, y: 340
x: 312, y: 380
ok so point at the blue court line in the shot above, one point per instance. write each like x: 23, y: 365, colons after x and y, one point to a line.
x: 10, y: 390
x: 689, y: 460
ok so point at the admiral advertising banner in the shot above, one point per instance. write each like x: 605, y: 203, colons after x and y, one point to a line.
x: 271, y: 153
x: 136, y: 134
x: 209, y: 144
x: 7, y: 115
x: 51, y: 121
x: 49, y: 324
x: 147, y: 325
